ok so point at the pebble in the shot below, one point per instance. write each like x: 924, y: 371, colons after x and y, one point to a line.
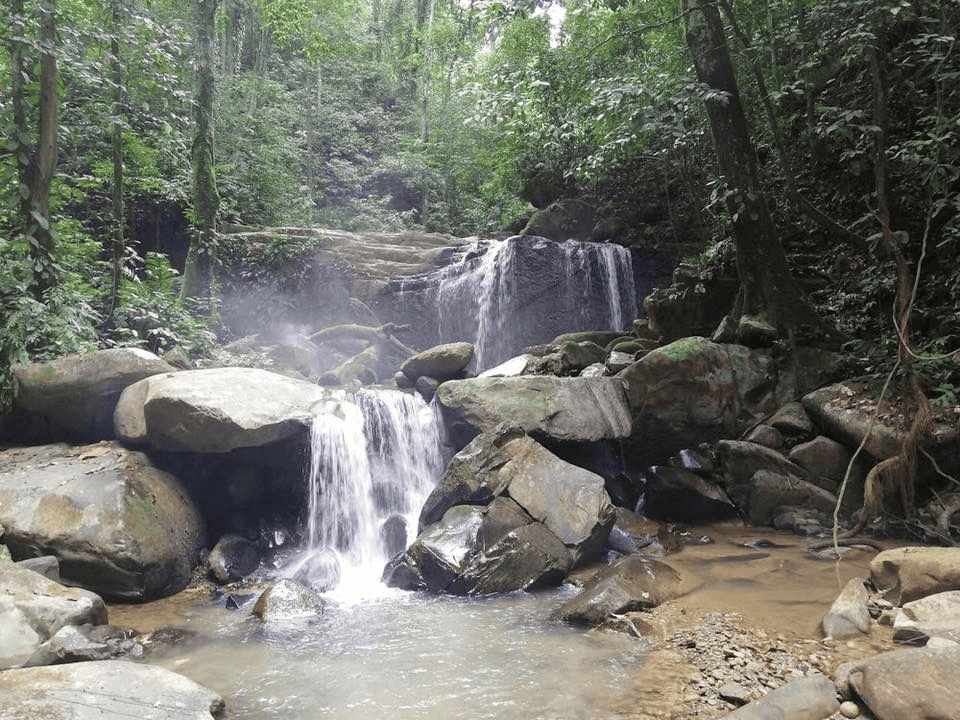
x: 849, y: 709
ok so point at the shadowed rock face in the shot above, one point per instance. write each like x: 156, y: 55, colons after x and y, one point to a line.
x: 119, y: 526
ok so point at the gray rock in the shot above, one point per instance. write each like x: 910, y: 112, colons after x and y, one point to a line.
x: 33, y: 608
x: 910, y: 573
x: 559, y: 408
x: 630, y: 583
x: 85, y: 643
x: 575, y: 356
x: 809, y: 698
x: 232, y: 558
x: 427, y: 387
x: 217, y: 410
x: 509, y: 368
x: 678, y: 495
x: 286, y: 600
x: 732, y: 384
x: 46, y: 565
x: 393, y: 535
x: 767, y: 436
x: 318, y: 570
x: 849, y: 614
x: 618, y: 361
x: 734, y: 692
x: 122, y: 689
x: 792, y: 419
x: 910, y: 684
x: 594, y: 370
x: 443, y: 362
x: 78, y: 393
x: 118, y: 525
x: 771, y: 490
x: 634, y: 533
x: 934, y: 616
x: 739, y: 461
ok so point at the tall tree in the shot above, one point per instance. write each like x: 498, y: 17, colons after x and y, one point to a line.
x: 198, y: 269
x: 768, y: 291
x: 116, y: 145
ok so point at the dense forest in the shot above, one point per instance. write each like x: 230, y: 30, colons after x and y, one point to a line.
x: 135, y: 131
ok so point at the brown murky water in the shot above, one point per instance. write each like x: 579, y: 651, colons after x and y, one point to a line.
x: 403, y: 655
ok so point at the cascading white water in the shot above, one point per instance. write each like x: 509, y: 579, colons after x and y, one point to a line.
x: 503, y: 295
x: 373, y: 461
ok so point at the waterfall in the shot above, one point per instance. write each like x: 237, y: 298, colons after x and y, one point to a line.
x: 373, y: 462
x: 504, y: 295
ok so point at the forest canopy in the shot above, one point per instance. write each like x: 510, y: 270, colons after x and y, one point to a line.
x: 463, y: 116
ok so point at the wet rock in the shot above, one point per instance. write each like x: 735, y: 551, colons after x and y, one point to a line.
x: 84, y: 643
x: 808, y: 698
x: 477, y: 550
x: 76, y: 394
x: 33, y: 608
x: 770, y: 490
x: 934, y: 616
x: 318, y: 570
x: 119, y: 526
x: 233, y: 558
x: 285, y: 600
x: 561, y: 409
x: 678, y: 495
x: 699, y: 460
x: 631, y: 583
x: 910, y: 573
x: 443, y: 362
x: 217, y: 410
x: 123, y: 689
x: 739, y: 461
x: 849, y: 614
x: 634, y: 533
x: 427, y: 387
x: 509, y: 368
x: 910, y: 684
x: 393, y: 535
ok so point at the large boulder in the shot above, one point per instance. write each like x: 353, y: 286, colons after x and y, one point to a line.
x: 33, y: 608
x: 562, y: 409
x: 570, y: 501
x: 933, y: 616
x: 119, y: 526
x: 105, y: 689
x: 911, y: 684
x: 807, y: 698
x: 477, y: 550
x: 443, y: 362
x: 633, y: 582
x: 217, y: 410
x: 910, y: 573
x: 75, y: 395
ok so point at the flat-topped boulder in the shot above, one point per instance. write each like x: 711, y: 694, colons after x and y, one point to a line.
x: 562, y: 409
x: 119, y: 526
x: 75, y: 395
x: 217, y: 410
x: 105, y: 689
x: 442, y: 362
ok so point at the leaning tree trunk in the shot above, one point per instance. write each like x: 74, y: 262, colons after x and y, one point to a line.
x: 198, y: 269
x: 768, y: 291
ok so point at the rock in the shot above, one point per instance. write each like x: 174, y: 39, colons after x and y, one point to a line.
x: 233, y: 558
x: 846, y: 411
x: 318, y: 570
x: 933, y: 616
x: 693, y: 305
x: 217, y: 410
x: 107, y: 689
x: 509, y: 368
x: 826, y: 460
x: 427, y: 387
x: 77, y: 393
x: 118, y: 525
x: 698, y: 460
x: 617, y: 362
x: 85, y: 643
x: 755, y: 332
x: 739, y: 461
x: 849, y: 614
x: 792, y: 420
x: 575, y: 356
x: 558, y: 408
x: 594, y: 370
x: 633, y: 533
x: 678, y: 495
x: 734, y: 693
x: 402, y: 381
x: 732, y: 386
x: 33, y: 608
x: 603, y: 338
x: 910, y: 573
x: 443, y: 362
x: 563, y: 220
x: 393, y: 535
x: 910, y: 684
x: 767, y: 436
x: 478, y: 550
x: 849, y: 709
x: 286, y: 600
x: 46, y: 565
x: 770, y: 490
x: 630, y: 583
x: 809, y: 698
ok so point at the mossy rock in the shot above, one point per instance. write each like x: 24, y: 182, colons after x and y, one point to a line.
x: 628, y: 346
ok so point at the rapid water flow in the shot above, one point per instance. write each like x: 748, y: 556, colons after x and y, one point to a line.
x: 374, y: 460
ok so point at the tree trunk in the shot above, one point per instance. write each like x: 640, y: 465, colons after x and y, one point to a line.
x: 116, y: 139
x: 768, y: 291
x: 198, y: 269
